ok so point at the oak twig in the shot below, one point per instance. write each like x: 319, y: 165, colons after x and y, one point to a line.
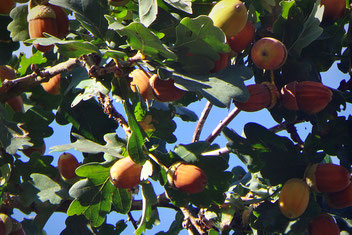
x: 201, y: 121
x: 222, y: 124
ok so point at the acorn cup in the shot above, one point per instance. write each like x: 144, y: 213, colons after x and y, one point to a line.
x: 294, y: 198
x: 42, y: 19
x: 310, y: 97
x: 187, y: 178
x: 324, y: 224
x: 125, y: 173
x: 341, y: 199
x: 327, y: 177
x: 263, y: 95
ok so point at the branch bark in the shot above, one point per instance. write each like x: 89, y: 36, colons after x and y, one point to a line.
x: 201, y: 121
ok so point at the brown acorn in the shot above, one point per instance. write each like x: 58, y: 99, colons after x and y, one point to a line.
x: 62, y: 21
x: 6, y: 6
x: 42, y: 19
x: 140, y: 80
x: 28, y: 151
x: 341, y: 199
x: 53, y: 85
x: 310, y: 97
x: 165, y: 90
x: 187, y: 178
x: 125, y: 173
x: 324, y: 224
x: 294, y: 198
x: 327, y: 177
x: 263, y: 95
x: 8, y: 73
x: 67, y: 165
x: 117, y: 3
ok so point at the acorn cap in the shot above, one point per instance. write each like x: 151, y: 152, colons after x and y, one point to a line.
x: 274, y: 93
x: 41, y: 12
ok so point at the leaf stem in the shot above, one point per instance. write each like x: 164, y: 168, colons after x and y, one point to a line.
x: 201, y: 121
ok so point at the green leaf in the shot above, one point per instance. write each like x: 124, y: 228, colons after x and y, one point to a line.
x: 49, y: 190
x: 5, y: 171
x: 12, y: 134
x: 219, y: 88
x: 149, y: 199
x: 91, y: 200
x: 142, y: 39
x: 89, y: 12
x: 286, y: 5
x: 311, y: 30
x: 199, y: 36
x: 76, y: 225
x: 191, y: 152
x: 7, y: 46
x: 92, y: 88
x: 67, y: 48
x: 136, y: 139
x: 19, y: 25
x: 122, y: 200
x: 25, y: 63
x: 87, y: 146
x: 186, y: 114
x: 96, y: 172
x: 183, y: 5
x: 148, y: 10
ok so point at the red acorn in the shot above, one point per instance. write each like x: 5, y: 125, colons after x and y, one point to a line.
x: 341, y: 199
x: 187, y: 178
x: 241, y: 40
x: 67, y: 165
x: 310, y: 97
x: 221, y: 63
x: 165, y: 90
x: 327, y: 177
x: 261, y: 96
x: 324, y: 224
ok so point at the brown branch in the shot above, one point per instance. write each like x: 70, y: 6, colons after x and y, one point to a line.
x: 292, y: 130
x: 201, y: 121
x: 11, y: 88
x: 133, y: 221
x: 110, y: 110
x: 222, y: 124
x: 191, y: 221
x: 217, y: 152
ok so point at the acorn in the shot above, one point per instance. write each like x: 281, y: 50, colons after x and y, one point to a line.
x: 165, y: 90
x: 243, y: 39
x: 8, y: 73
x: 140, y: 80
x: 53, y: 85
x: 221, y: 63
x: 28, y: 151
x: 310, y: 97
x: 327, y: 177
x: 6, y: 6
x: 42, y: 19
x: 324, y: 224
x: 125, y: 173
x: 263, y: 95
x: 294, y: 198
x: 117, y: 3
x: 187, y: 178
x: 62, y: 21
x: 341, y: 199
x: 67, y: 165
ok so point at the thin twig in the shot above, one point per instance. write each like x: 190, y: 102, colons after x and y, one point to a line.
x: 110, y: 110
x: 217, y: 152
x: 190, y: 220
x: 222, y: 124
x: 133, y: 221
x: 201, y: 121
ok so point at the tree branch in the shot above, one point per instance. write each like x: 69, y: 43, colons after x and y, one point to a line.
x: 201, y: 121
x: 222, y: 124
